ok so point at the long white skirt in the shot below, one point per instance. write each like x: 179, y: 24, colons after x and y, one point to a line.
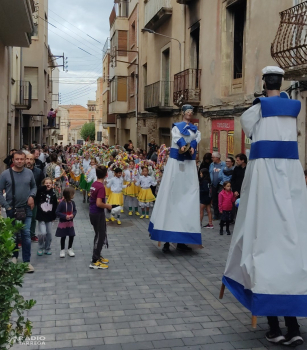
x: 266, y: 268
x: 176, y: 215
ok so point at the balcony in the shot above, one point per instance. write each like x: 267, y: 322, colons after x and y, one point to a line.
x: 120, y: 9
x: 56, y: 127
x: 157, y: 12
x: 158, y: 97
x: 23, y: 95
x: 16, y: 23
x: 187, y: 87
x: 289, y: 48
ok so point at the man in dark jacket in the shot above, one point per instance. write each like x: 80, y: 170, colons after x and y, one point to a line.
x: 39, y: 177
x: 238, y: 174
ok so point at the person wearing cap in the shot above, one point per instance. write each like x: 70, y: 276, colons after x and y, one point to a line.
x: 176, y: 217
x: 266, y: 268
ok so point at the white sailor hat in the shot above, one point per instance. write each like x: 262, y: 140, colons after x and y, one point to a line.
x: 272, y: 70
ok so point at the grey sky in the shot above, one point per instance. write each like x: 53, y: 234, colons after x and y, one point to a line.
x: 75, y: 20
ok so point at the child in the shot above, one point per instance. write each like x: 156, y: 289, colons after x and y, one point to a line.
x: 226, y: 200
x: 89, y: 178
x: 132, y: 191
x: 66, y: 211
x: 76, y: 173
x: 46, y: 213
x: 145, y: 196
x: 126, y: 174
x: 205, y: 196
x: 86, y: 164
x: 97, y: 218
x: 116, y: 198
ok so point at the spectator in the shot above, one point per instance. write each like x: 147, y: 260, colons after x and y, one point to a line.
x: 238, y: 174
x: 44, y: 156
x: 215, y: 167
x: 38, y: 163
x: 51, y: 118
x: 207, y: 160
x: 9, y: 159
x: 25, y: 191
x: 153, y: 147
x: 39, y: 177
x: 227, y: 172
x: 154, y: 157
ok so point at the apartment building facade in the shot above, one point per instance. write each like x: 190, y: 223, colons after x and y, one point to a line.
x: 16, y: 27
x: 208, y: 53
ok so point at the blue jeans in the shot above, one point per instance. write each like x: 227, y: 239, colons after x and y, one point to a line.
x: 25, y: 235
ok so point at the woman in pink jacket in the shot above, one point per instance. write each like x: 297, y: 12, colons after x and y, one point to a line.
x: 226, y: 200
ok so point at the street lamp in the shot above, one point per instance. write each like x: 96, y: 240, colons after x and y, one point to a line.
x: 150, y: 31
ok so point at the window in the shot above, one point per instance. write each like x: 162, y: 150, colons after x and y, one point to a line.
x: 119, y: 89
x: 119, y: 42
x: 165, y: 136
x: 92, y: 118
x: 230, y: 145
x: 195, y: 46
x: 132, y: 85
x: 239, y: 13
x: 132, y: 35
x: 31, y: 75
x: 215, y: 141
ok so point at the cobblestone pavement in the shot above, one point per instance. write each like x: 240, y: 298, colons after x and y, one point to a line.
x: 145, y: 300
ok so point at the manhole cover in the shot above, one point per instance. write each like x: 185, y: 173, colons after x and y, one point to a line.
x: 124, y: 224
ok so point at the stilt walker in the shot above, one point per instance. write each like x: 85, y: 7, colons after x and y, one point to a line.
x: 266, y: 268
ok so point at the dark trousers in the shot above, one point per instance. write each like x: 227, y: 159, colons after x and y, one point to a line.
x: 222, y: 223
x: 98, y: 222
x: 291, y: 323
x: 215, y: 200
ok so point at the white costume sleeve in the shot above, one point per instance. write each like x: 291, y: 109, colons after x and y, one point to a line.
x: 91, y: 176
x: 57, y: 172
x: 109, y: 182
x: 153, y: 181
x: 198, y: 136
x: 250, y: 118
x: 176, y: 135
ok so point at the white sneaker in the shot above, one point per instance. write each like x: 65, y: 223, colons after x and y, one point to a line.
x: 62, y: 253
x: 30, y: 268
x: 71, y: 252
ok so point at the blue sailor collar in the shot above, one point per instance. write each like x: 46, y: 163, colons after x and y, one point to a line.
x: 184, y: 127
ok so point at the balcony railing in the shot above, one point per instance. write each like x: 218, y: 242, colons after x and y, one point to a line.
x: 120, y: 9
x: 289, y: 48
x: 56, y: 126
x: 157, y: 12
x: 187, y: 87
x: 24, y: 95
x: 158, y: 96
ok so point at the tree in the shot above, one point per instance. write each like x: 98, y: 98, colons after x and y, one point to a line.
x: 88, y: 132
x: 11, y: 277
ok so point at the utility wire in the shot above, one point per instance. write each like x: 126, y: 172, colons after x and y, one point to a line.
x: 69, y: 35
x: 75, y: 26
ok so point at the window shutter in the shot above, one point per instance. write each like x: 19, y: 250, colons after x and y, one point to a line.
x: 31, y: 75
x: 122, y: 42
x: 122, y: 89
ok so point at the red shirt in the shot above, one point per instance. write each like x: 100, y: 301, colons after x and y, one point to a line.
x: 97, y: 191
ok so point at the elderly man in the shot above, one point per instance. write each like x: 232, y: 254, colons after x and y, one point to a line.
x: 20, y: 181
x: 38, y: 176
x: 215, y: 167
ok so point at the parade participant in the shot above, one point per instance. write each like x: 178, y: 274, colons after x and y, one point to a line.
x: 97, y: 218
x: 266, y: 268
x: 145, y: 196
x: 226, y: 200
x: 75, y: 173
x: 179, y: 190
x: 205, y: 196
x: 116, y: 198
x: 66, y: 211
x: 89, y: 177
x: 132, y: 191
x: 85, y: 165
x: 55, y: 172
x: 46, y: 213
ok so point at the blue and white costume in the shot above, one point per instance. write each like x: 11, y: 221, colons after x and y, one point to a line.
x: 266, y: 268
x: 175, y: 217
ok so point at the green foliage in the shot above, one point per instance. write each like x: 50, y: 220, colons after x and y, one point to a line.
x: 11, y: 277
x: 88, y: 132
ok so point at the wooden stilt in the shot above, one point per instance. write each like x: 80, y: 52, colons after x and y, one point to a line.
x: 254, y: 321
x: 222, y: 291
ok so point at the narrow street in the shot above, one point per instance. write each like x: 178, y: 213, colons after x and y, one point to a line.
x: 145, y: 300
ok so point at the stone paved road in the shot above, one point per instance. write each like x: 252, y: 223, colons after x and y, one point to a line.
x: 145, y: 300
